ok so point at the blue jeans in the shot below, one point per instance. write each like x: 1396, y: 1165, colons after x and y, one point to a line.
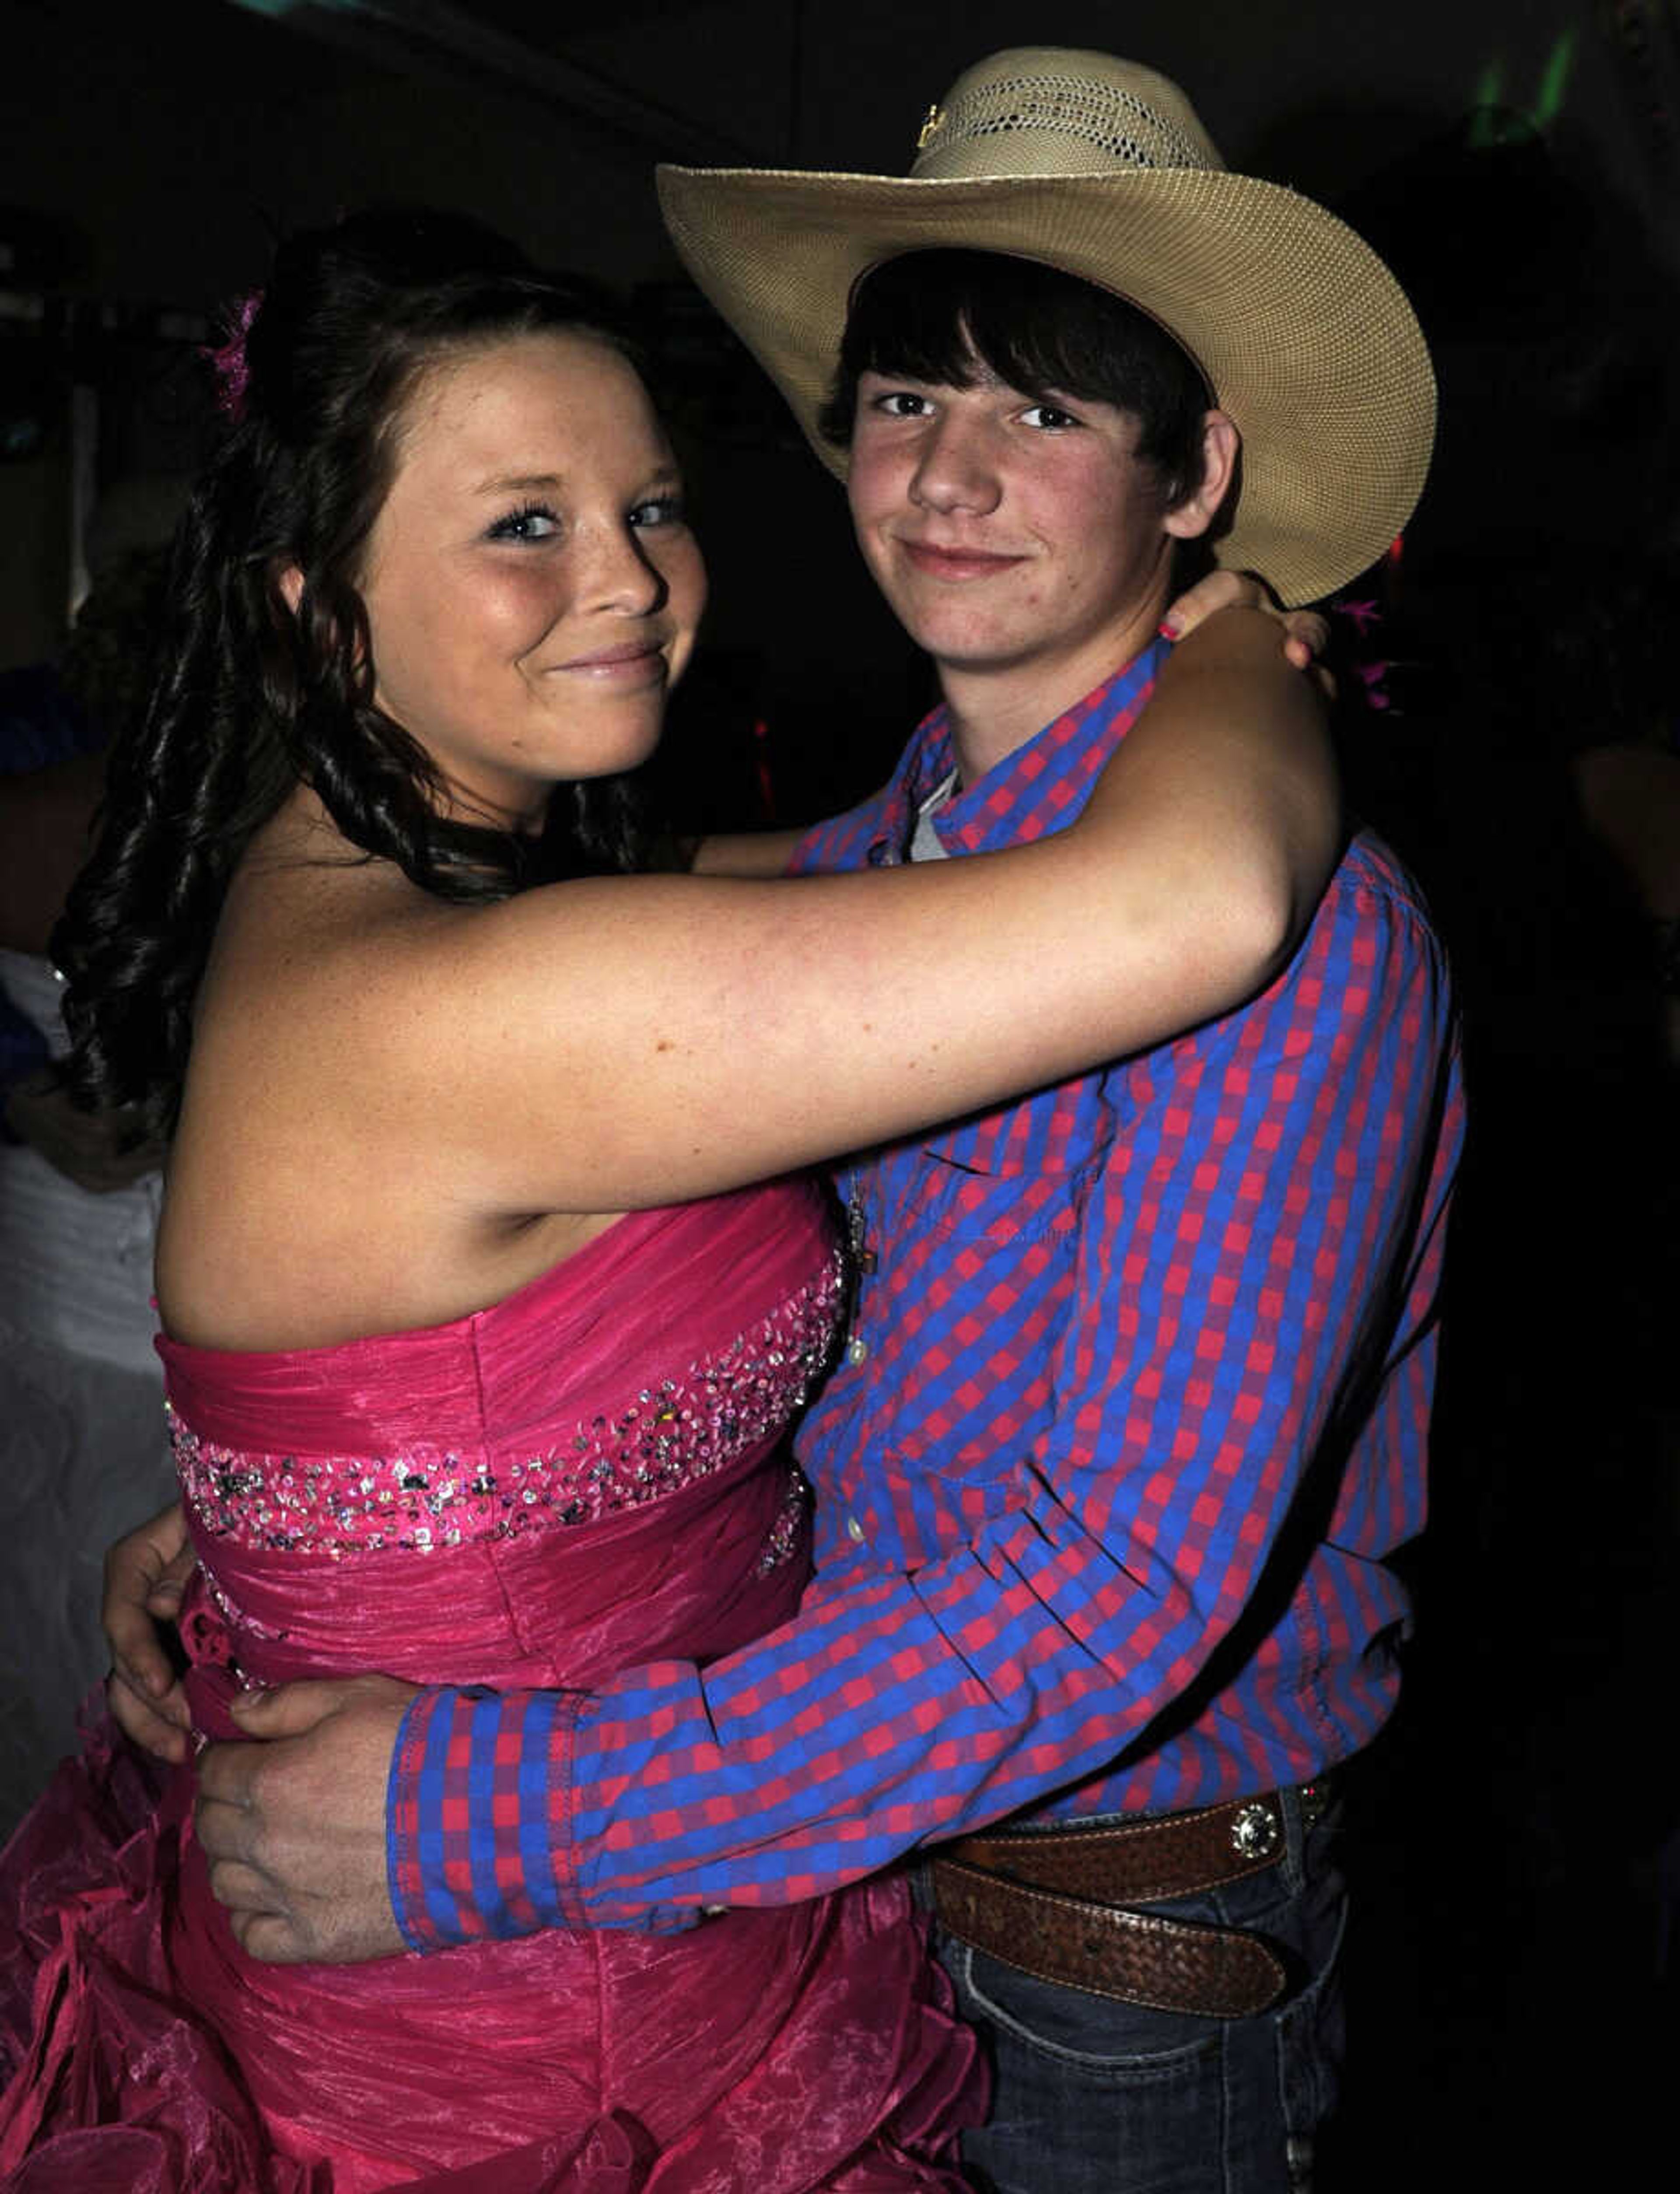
x: 1095, y: 2097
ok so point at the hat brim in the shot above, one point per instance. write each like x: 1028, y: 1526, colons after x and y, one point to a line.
x: 1301, y: 332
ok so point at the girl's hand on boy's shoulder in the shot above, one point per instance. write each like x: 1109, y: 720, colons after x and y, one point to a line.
x: 1306, y: 634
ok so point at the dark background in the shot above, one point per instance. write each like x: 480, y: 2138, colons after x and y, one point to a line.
x: 1518, y: 161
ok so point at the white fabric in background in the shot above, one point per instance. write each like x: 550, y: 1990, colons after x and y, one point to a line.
x: 84, y: 1454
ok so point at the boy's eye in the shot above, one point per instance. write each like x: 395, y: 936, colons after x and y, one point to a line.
x: 535, y: 522
x: 1050, y: 418
x: 900, y: 403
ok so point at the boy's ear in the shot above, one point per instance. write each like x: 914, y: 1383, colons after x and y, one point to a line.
x: 1220, y: 443
x: 289, y: 581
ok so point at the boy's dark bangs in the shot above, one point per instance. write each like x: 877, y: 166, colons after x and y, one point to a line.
x: 946, y: 316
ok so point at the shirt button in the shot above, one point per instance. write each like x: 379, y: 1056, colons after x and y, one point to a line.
x: 854, y: 1530
x: 856, y: 1349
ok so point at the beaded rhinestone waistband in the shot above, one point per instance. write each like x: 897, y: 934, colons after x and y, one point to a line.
x: 665, y: 1435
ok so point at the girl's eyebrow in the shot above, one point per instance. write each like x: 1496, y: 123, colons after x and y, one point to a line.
x: 518, y: 483
x: 549, y: 482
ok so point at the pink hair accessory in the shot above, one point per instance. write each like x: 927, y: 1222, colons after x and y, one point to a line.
x: 1372, y: 673
x: 1371, y: 676
x: 228, y: 362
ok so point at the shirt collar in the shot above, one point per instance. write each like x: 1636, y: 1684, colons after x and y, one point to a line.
x: 1032, y: 793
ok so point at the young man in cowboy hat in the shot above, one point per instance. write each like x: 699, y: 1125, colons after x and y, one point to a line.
x: 1134, y: 1396
x: 1138, y: 1381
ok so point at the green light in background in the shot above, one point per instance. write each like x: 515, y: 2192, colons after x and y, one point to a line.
x: 1493, y: 118
x: 1555, y: 81
x: 1484, y: 111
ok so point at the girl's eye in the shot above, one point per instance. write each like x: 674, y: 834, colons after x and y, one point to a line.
x: 658, y: 510
x: 534, y: 522
x: 1049, y: 418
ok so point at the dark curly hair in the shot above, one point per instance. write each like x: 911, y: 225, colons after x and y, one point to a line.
x: 252, y: 698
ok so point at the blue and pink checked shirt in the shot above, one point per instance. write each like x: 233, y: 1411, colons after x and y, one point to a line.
x: 1137, y: 1411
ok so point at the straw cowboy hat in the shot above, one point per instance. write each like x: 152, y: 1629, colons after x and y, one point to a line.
x: 1102, y: 169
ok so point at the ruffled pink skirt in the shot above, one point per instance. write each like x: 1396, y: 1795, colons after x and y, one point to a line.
x: 758, y: 2052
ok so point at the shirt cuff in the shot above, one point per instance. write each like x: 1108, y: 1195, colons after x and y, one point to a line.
x: 477, y: 1815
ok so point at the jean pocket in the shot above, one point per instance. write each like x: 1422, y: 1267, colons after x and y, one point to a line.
x: 1310, y: 2046
x: 1107, y: 2041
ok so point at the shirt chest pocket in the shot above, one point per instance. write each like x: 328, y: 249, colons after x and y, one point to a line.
x: 966, y: 1327
x: 1000, y: 1209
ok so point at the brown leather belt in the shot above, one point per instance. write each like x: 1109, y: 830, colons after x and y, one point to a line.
x: 1052, y: 1902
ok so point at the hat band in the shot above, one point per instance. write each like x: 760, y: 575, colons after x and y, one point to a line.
x: 1114, y: 121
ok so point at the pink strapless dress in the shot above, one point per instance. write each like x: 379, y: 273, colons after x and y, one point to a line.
x: 584, y: 1477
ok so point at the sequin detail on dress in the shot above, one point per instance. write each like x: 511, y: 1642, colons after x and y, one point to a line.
x: 677, y: 1431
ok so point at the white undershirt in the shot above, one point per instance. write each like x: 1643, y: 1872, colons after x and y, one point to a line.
x: 924, y: 845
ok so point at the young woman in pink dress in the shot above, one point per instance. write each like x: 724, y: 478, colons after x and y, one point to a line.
x: 479, y: 1337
